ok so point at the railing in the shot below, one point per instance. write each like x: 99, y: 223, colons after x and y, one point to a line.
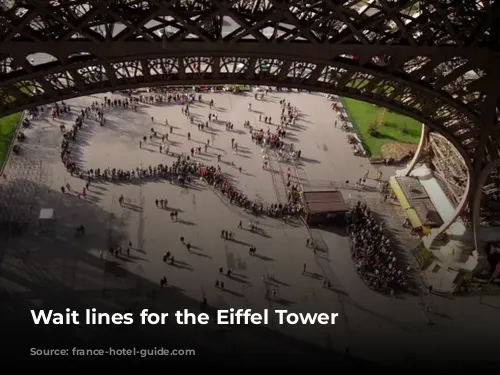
x: 275, y: 168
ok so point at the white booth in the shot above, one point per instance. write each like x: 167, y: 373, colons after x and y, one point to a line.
x: 47, y: 220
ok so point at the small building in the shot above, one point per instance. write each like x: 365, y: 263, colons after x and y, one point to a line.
x: 324, y: 207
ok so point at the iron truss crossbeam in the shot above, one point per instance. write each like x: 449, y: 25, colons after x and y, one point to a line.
x: 434, y: 60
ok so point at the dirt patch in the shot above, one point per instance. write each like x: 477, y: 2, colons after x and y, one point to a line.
x: 397, y: 151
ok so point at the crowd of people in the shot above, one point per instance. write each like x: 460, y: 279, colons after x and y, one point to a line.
x: 183, y: 171
x: 372, y: 252
x: 371, y: 248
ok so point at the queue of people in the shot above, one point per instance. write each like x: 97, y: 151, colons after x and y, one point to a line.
x: 182, y: 171
x: 185, y: 169
x: 372, y: 252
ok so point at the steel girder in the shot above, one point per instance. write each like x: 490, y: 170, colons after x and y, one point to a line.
x: 436, y: 61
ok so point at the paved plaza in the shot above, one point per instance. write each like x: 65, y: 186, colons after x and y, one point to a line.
x: 57, y: 270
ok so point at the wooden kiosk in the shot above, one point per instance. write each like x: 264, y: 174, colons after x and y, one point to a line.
x: 324, y: 207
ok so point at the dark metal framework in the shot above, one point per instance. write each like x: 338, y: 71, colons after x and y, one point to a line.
x: 437, y: 61
x: 490, y: 205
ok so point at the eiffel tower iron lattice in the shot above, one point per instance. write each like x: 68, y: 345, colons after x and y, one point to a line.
x: 435, y: 60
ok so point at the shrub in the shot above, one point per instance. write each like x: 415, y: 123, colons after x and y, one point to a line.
x: 404, y: 129
x: 373, y: 130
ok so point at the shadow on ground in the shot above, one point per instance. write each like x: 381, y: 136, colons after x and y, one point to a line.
x: 55, y: 271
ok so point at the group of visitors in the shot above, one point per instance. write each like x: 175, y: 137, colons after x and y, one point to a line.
x: 372, y: 252
x: 289, y: 113
x: 371, y: 249
x: 181, y: 95
x: 182, y: 171
x: 276, y: 140
x: 340, y: 112
x: 167, y: 97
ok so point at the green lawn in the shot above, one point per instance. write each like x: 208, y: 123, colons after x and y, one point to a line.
x: 363, y: 114
x: 7, y: 126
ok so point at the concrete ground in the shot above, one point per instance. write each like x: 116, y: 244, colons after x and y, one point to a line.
x: 57, y: 270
